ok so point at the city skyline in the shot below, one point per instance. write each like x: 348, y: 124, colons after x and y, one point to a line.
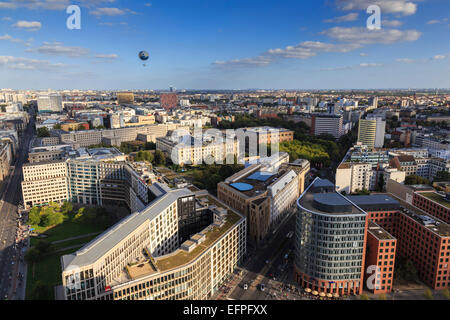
x: 224, y: 45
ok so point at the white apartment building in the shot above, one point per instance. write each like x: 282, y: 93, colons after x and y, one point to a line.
x: 86, y: 180
x: 195, y: 151
x: 284, y: 193
x: 44, y: 182
x: 50, y: 103
x: 354, y: 176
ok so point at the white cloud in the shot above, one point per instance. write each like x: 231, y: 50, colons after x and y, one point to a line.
x: 9, y: 38
x: 248, y: 62
x: 437, y: 21
x: 106, y: 57
x: 6, y: 19
x: 28, y: 25
x: 363, y: 54
x: 346, y: 18
x: 111, y: 12
x: 405, y: 7
x: 58, y: 49
x: 348, y: 39
x: 361, y: 35
x: 48, y: 4
x: 439, y: 57
x: 406, y: 60
x: 357, y: 66
x: 391, y: 23
x: 11, y: 62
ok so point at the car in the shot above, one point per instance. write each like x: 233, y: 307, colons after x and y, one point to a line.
x: 245, y: 286
x: 262, y: 287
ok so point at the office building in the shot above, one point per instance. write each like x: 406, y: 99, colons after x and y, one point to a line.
x: 322, y: 123
x: 371, y: 132
x: 6, y: 157
x: 169, y: 101
x: 330, y: 241
x: 189, y: 150
x: 380, y: 252
x: 142, y: 257
x: 125, y: 98
x: 263, y: 194
x: 50, y: 103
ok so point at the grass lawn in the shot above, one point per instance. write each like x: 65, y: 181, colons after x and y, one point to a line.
x: 71, y: 243
x: 47, y: 270
x: 65, y: 230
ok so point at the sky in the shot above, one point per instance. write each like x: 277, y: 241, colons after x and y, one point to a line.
x: 224, y: 44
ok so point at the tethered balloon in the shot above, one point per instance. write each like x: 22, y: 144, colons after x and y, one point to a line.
x: 143, y: 55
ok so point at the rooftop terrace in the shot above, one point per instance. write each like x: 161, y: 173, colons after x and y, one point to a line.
x: 212, y: 234
x: 436, y: 198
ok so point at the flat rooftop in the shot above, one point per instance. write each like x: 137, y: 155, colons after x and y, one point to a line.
x: 378, y: 232
x: 430, y: 222
x: 436, y: 197
x: 212, y: 234
x: 140, y: 270
x: 256, y: 182
x: 319, y: 199
x: 375, y: 202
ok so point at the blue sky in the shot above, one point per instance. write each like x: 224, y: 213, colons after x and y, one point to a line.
x: 224, y: 44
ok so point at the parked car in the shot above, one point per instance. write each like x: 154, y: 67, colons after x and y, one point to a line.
x: 245, y: 286
x: 262, y: 287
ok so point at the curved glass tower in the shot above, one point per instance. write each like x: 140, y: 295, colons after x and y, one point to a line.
x: 330, y: 241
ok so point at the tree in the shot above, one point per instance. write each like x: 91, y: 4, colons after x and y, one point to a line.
x: 34, y: 217
x: 446, y: 294
x: 414, y: 179
x: 42, y: 291
x: 79, y: 217
x: 42, y: 246
x: 442, y: 176
x: 382, y: 296
x: 81, y: 127
x: 364, y: 297
x: 32, y: 255
x: 43, y: 132
x: 380, y: 183
x: 160, y: 158
x: 66, y: 208
x: 57, y: 126
x: 428, y: 294
x: 52, y: 218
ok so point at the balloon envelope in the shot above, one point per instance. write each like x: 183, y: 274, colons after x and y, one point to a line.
x: 143, y: 55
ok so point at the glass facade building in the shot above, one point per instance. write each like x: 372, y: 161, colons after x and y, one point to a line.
x: 330, y: 241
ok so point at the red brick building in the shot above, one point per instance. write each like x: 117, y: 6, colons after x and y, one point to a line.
x: 169, y: 100
x: 380, y: 252
x: 433, y: 204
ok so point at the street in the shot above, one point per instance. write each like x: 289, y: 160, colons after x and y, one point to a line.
x: 266, y: 264
x: 13, y: 242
